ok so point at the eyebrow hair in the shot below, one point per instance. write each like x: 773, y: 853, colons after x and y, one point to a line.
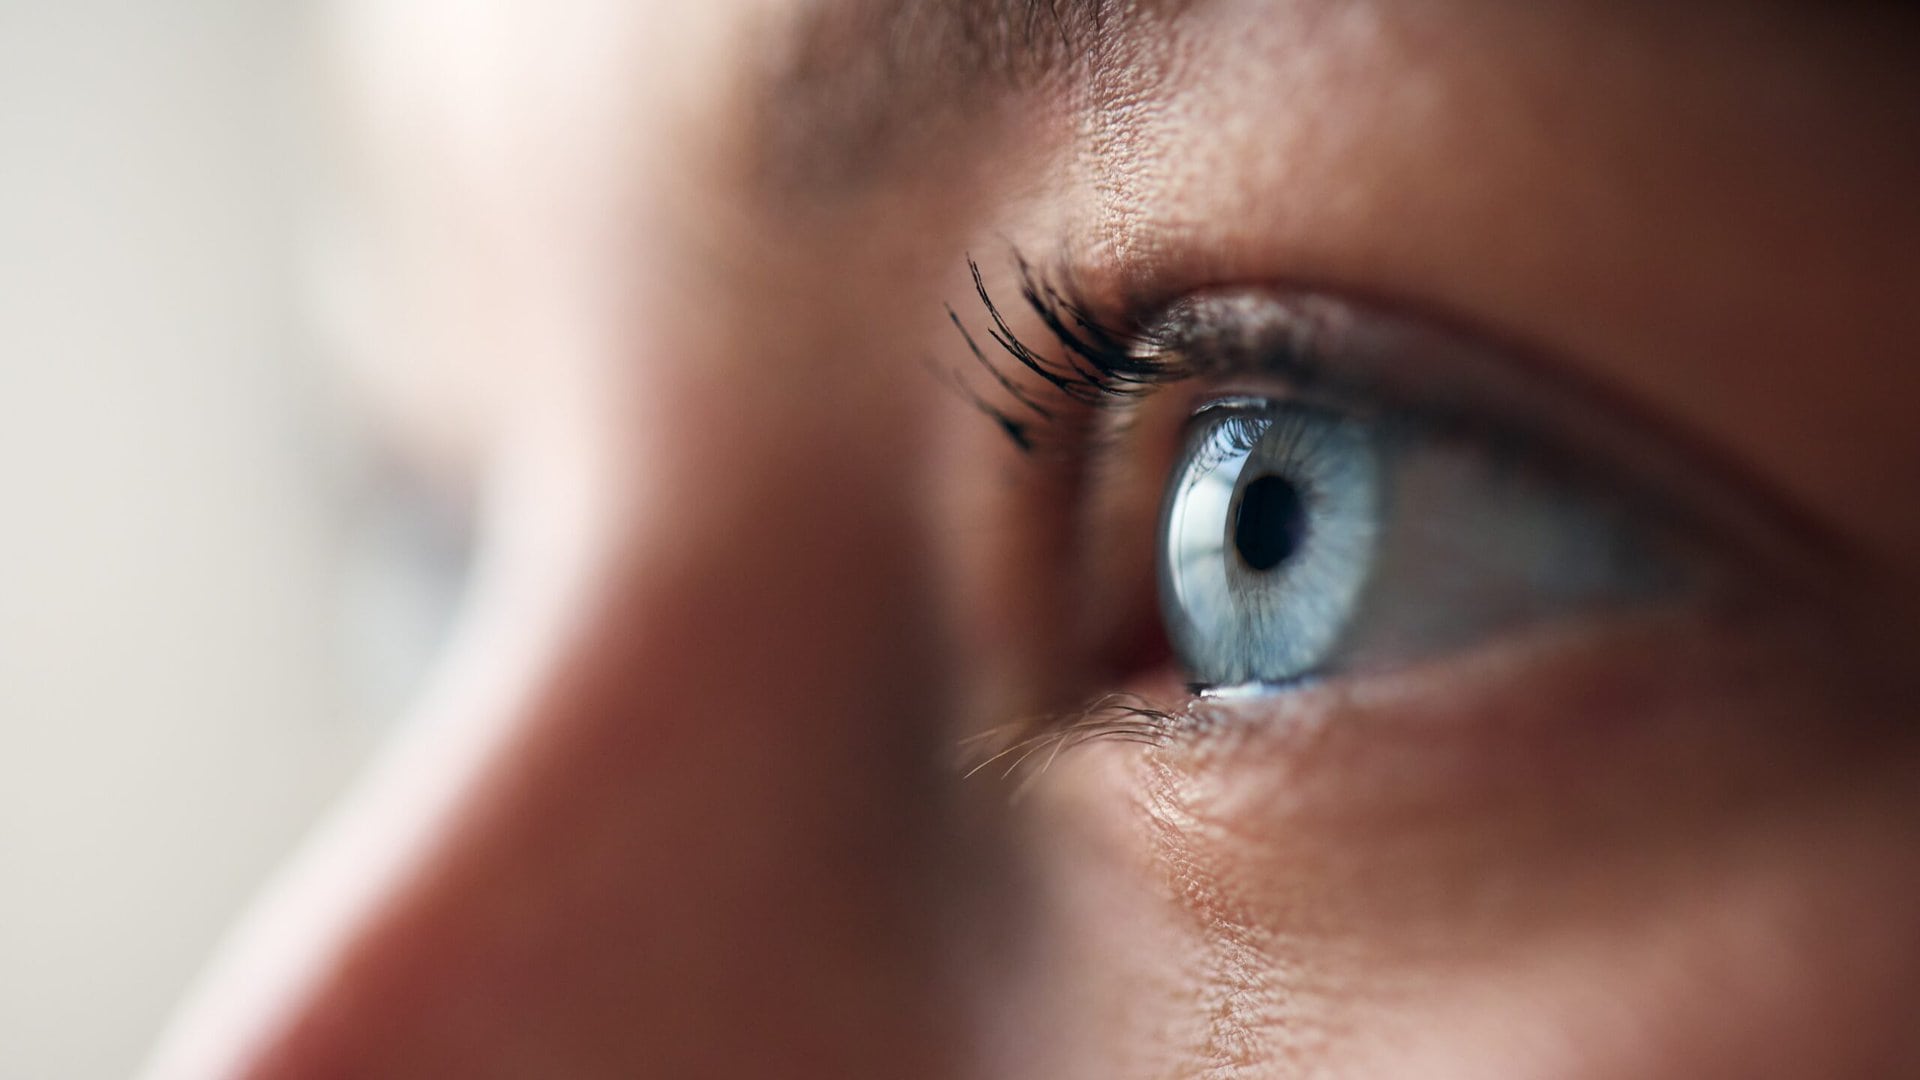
x: 847, y: 86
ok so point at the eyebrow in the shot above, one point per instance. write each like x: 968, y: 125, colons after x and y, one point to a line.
x: 850, y: 86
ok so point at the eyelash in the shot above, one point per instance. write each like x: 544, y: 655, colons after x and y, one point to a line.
x: 1101, y: 364
x: 1104, y: 366
x: 1038, y: 741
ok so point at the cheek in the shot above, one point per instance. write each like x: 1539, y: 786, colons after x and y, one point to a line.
x: 1777, y: 952
x: 1553, y: 862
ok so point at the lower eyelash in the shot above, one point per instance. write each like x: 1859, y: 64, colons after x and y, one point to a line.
x: 1032, y: 745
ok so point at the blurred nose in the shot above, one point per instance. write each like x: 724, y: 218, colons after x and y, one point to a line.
x: 667, y: 811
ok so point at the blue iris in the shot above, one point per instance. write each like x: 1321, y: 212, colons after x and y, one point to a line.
x: 1267, y: 536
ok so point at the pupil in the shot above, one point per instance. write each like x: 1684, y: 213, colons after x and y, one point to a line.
x: 1272, y: 523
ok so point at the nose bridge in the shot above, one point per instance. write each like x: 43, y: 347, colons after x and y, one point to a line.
x: 672, y: 824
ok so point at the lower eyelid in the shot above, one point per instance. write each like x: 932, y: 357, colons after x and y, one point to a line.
x: 1598, y: 717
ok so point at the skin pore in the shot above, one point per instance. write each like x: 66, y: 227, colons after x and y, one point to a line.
x: 687, y: 797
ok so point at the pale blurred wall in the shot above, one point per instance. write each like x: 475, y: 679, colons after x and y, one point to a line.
x: 171, y: 717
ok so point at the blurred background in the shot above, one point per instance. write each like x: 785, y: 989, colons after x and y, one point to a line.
x: 211, y: 595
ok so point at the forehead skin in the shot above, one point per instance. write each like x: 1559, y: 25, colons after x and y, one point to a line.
x: 684, y: 792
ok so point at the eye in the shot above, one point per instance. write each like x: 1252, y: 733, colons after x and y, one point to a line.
x: 1314, y: 486
x: 1297, y: 539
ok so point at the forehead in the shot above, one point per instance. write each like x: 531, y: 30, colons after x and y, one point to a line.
x: 1673, y: 196
x: 842, y: 79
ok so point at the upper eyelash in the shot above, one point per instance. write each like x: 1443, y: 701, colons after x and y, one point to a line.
x: 1099, y: 362
x: 1102, y: 363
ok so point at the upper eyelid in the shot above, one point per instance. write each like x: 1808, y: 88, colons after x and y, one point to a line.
x: 1110, y: 364
x: 1105, y: 359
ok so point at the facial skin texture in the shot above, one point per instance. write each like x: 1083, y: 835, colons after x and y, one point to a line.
x: 685, y: 799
